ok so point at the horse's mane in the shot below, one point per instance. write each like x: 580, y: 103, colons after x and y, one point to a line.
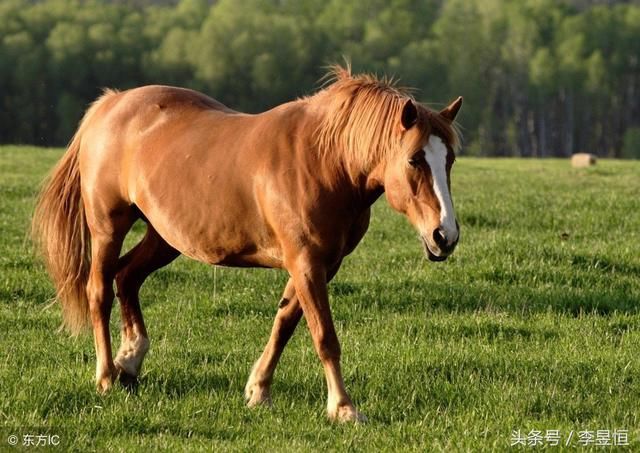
x: 360, y: 124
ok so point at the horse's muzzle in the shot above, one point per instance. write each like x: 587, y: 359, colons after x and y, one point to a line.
x: 436, y: 250
x: 433, y: 257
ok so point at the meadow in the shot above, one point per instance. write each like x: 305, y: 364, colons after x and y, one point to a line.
x: 533, y: 325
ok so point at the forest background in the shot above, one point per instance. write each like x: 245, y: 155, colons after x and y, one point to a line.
x: 539, y: 77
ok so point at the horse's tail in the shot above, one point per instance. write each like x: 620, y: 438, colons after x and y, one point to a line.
x: 60, y: 232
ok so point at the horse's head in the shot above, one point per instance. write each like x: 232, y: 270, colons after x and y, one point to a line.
x: 417, y: 180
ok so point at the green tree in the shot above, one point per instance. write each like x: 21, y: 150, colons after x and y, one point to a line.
x: 539, y: 77
x: 254, y: 61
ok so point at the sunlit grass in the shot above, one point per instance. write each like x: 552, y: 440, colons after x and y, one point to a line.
x: 533, y: 323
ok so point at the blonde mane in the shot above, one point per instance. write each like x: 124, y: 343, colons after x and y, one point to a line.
x: 360, y: 125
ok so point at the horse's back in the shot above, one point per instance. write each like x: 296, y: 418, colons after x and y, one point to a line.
x: 169, y: 97
x: 173, y: 98
x: 135, y: 112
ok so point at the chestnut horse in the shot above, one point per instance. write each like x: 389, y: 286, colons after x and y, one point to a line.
x: 288, y: 188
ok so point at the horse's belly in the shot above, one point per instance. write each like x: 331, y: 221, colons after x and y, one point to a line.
x: 222, y: 249
x: 269, y: 257
x: 218, y: 242
x: 223, y: 231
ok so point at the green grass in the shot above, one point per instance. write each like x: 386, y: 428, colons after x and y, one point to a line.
x: 533, y: 324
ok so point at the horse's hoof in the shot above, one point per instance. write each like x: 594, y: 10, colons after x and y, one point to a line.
x: 257, y: 396
x: 347, y: 414
x: 104, y: 384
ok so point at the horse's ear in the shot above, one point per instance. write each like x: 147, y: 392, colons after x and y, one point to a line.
x: 409, y: 115
x: 451, y: 111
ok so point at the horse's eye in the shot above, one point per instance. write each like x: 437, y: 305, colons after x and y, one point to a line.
x: 417, y: 159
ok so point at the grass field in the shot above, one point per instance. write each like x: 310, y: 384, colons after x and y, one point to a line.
x: 532, y: 325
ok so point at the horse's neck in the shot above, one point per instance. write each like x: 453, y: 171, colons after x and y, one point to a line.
x: 362, y: 190
x: 364, y: 187
x: 372, y: 186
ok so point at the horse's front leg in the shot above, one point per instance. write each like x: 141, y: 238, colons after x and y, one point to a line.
x: 310, y: 280
x: 258, y: 388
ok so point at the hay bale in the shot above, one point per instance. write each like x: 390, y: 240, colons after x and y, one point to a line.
x: 581, y: 160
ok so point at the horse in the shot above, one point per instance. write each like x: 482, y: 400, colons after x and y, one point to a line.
x: 289, y: 188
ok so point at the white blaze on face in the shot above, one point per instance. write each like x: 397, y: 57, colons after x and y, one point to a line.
x: 435, y: 153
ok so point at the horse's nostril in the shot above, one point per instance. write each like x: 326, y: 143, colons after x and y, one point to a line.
x: 439, y: 238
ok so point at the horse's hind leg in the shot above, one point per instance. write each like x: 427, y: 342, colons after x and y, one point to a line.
x: 257, y: 390
x: 107, y: 234
x: 149, y: 255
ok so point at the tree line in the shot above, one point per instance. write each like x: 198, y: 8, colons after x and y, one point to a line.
x: 539, y: 77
